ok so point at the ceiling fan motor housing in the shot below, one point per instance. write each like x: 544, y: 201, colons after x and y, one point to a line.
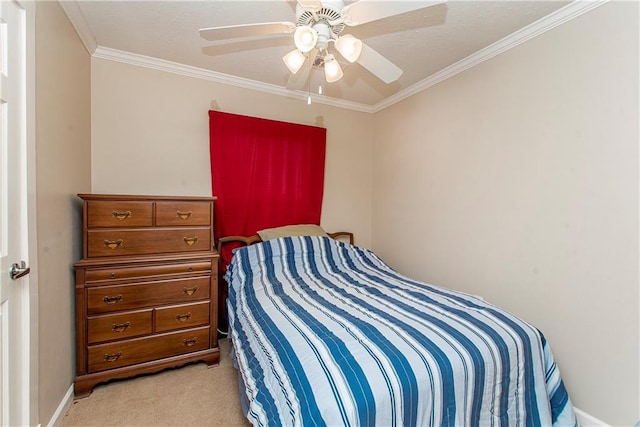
x: 329, y: 12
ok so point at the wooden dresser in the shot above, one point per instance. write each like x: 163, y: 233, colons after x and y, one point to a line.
x: 146, y: 288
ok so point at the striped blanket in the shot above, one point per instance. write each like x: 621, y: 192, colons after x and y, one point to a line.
x: 326, y: 333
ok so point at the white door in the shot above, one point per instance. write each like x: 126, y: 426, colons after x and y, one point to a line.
x: 14, y: 299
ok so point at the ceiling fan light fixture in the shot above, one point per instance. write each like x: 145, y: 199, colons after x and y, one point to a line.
x: 332, y: 69
x: 349, y: 47
x: 294, y: 60
x: 305, y: 38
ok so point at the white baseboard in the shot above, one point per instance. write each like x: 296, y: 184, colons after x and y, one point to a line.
x: 587, y: 420
x: 63, y: 407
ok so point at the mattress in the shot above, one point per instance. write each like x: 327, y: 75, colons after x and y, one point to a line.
x: 326, y: 333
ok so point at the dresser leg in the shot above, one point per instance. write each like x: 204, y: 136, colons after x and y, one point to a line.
x: 82, y: 388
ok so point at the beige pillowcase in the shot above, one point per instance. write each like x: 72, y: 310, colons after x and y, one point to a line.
x: 292, y: 230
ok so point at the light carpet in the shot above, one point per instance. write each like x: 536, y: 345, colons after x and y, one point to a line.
x: 193, y: 395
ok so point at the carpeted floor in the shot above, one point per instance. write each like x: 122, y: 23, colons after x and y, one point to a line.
x: 193, y: 395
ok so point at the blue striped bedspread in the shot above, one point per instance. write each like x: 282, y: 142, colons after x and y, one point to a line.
x: 326, y: 333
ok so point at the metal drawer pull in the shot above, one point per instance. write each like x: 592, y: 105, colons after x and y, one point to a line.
x: 190, y: 291
x: 184, y: 215
x: 121, y: 216
x: 191, y: 342
x: 112, y: 357
x: 190, y: 240
x: 112, y: 300
x: 112, y: 244
x: 183, y: 317
x: 121, y: 327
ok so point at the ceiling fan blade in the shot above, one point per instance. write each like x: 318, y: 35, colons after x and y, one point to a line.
x: 246, y: 30
x: 310, y: 5
x: 299, y: 80
x: 378, y: 65
x: 364, y: 11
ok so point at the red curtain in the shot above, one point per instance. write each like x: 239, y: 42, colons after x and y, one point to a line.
x: 265, y: 173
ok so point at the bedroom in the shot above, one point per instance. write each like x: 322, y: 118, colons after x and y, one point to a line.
x: 516, y: 180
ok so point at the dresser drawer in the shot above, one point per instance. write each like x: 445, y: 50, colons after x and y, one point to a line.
x: 104, y: 243
x: 182, y: 316
x: 119, y: 214
x: 119, y: 326
x: 116, y: 273
x: 138, y: 350
x: 104, y: 299
x: 183, y: 213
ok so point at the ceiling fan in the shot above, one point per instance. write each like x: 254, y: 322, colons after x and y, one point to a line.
x: 319, y: 24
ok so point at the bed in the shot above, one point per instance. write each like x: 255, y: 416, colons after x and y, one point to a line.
x: 325, y: 333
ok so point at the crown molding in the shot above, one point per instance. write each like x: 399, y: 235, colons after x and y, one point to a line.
x: 201, y: 73
x: 73, y: 12
x: 559, y: 17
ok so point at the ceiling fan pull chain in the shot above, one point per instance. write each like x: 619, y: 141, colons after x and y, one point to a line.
x: 309, y: 86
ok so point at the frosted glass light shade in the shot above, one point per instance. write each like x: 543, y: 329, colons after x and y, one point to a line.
x: 305, y: 38
x: 349, y: 47
x: 332, y: 70
x: 294, y: 60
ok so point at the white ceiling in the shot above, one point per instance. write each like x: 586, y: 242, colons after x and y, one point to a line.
x: 421, y: 43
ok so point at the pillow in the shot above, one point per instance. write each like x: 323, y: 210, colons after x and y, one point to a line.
x: 292, y: 230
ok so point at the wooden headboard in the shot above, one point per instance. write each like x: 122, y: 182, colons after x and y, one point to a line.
x: 256, y: 239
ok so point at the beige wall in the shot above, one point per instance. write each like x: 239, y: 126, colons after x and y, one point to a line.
x: 63, y: 156
x: 150, y: 136
x: 518, y: 180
